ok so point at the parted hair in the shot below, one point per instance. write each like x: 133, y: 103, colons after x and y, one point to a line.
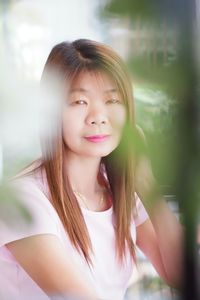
x: 66, y: 61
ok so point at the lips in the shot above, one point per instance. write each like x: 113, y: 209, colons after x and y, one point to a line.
x: 97, y: 138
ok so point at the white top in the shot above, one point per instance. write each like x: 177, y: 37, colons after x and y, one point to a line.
x: 107, y: 277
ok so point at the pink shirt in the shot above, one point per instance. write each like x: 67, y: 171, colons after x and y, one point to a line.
x: 107, y: 277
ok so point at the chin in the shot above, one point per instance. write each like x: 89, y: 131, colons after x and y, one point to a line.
x: 103, y: 153
x: 98, y: 153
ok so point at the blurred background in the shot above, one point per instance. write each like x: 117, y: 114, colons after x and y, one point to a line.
x: 160, y: 43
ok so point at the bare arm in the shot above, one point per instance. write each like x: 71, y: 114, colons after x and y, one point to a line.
x: 44, y: 258
x: 161, y: 239
x: 162, y: 244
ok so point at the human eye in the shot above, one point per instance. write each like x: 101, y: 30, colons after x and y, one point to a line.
x: 113, y: 101
x: 79, y: 102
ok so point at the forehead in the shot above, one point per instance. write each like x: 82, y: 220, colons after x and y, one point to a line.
x: 87, y: 80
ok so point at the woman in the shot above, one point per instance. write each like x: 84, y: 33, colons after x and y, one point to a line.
x: 82, y: 193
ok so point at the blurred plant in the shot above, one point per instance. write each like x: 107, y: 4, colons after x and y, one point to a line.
x: 155, y: 63
x: 13, y: 213
x: 162, y: 55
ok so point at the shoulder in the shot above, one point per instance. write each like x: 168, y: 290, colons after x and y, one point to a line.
x: 33, y: 174
x: 31, y: 191
x: 31, y: 181
x: 26, y: 210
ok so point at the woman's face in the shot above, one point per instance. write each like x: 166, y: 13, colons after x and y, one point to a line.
x: 93, y: 115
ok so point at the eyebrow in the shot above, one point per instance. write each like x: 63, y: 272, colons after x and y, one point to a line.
x: 112, y: 90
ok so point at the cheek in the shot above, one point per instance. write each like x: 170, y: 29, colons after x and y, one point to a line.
x: 69, y: 119
x: 69, y: 127
x: 119, y: 118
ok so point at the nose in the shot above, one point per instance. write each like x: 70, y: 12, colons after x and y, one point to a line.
x: 96, y: 117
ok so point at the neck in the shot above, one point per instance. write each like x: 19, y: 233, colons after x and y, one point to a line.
x: 82, y: 173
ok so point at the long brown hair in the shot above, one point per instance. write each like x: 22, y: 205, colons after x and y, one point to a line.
x: 66, y: 61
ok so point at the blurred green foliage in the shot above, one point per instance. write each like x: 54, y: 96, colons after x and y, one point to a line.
x: 160, y: 69
x: 11, y: 209
x: 127, y: 7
